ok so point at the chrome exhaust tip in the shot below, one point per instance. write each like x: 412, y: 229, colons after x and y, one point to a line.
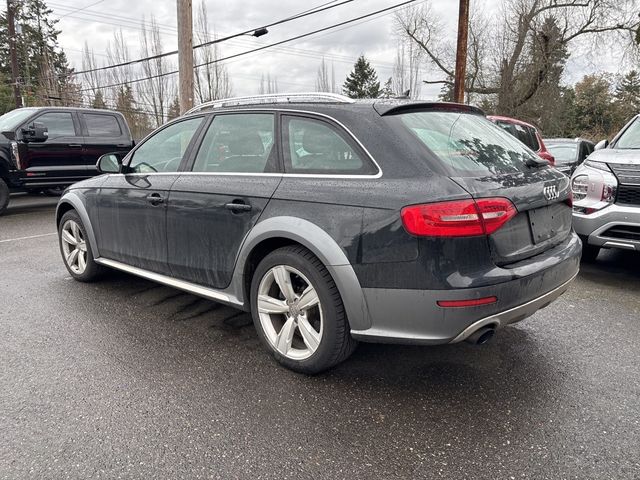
x: 481, y: 336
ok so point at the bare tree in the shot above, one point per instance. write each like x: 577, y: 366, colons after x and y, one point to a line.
x: 158, y: 89
x: 323, y: 83
x: 406, y: 69
x: 212, y: 79
x: 92, y: 79
x: 519, y: 55
x: 268, y: 85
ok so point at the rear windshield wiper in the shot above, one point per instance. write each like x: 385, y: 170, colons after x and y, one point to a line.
x: 537, y: 162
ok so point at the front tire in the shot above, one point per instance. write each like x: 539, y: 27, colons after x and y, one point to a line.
x: 4, y: 196
x: 76, y: 249
x: 298, y: 312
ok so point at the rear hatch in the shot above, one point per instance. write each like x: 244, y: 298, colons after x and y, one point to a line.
x: 487, y: 162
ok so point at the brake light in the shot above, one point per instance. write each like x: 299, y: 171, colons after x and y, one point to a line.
x: 475, y: 302
x: 460, y: 218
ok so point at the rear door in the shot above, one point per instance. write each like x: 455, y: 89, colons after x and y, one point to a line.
x: 132, y: 206
x: 59, y: 159
x: 234, y: 174
x: 487, y: 162
x: 103, y: 133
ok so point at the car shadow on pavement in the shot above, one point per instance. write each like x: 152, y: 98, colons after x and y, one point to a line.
x: 619, y: 268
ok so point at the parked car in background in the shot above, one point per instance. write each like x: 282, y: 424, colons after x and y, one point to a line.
x: 333, y: 221
x: 48, y: 147
x: 606, y: 194
x: 569, y: 152
x: 526, y: 133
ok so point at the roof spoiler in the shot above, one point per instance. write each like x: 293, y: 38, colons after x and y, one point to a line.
x: 394, y: 107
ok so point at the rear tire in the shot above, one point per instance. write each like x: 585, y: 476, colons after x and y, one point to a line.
x: 76, y: 249
x: 4, y: 196
x: 303, y: 323
x: 589, y: 252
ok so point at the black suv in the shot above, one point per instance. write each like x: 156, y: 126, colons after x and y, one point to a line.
x: 47, y: 147
x: 333, y: 221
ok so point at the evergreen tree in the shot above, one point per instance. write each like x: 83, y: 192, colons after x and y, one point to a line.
x: 98, y: 100
x: 387, y: 90
x: 446, y: 92
x: 594, y: 109
x: 43, y: 66
x: 627, y: 96
x: 138, y: 121
x: 174, y: 109
x: 362, y: 82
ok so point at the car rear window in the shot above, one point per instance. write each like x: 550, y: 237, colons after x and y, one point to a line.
x: 564, y: 152
x: 469, y: 144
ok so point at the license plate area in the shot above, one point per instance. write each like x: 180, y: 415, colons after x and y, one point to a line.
x: 547, y: 222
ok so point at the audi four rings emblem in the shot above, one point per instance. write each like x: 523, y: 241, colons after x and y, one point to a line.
x: 550, y: 192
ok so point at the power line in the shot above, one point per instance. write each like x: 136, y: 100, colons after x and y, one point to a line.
x: 217, y: 40
x: 80, y: 9
x: 297, y: 37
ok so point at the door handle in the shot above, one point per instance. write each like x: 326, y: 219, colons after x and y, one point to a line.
x: 155, y: 199
x: 75, y: 145
x: 238, y: 207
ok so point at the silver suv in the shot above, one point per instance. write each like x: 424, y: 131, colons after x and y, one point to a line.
x: 606, y: 194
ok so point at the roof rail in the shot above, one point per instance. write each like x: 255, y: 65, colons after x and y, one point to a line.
x: 311, y: 97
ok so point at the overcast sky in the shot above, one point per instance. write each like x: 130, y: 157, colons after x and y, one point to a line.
x: 294, y: 64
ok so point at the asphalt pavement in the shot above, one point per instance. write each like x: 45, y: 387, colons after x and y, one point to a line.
x: 129, y: 379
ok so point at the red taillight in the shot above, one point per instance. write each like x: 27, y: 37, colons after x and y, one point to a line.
x: 460, y: 218
x: 467, y: 303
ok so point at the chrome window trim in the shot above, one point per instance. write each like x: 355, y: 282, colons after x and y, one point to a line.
x: 285, y: 175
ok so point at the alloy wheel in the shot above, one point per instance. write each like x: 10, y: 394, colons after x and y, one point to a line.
x: 290, y: 312
x: 74, y: 247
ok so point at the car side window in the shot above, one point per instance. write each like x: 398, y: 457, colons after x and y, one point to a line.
x: 163, y: 151
x: 238, y: 142
x: 101, y: 125
x: 59, y: 124
x: 314, y: 146
x: 533, y: 142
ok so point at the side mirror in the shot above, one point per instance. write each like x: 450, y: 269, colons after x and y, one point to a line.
x: 601, y: 144
x: 36, y: 132
x: 109, y: 163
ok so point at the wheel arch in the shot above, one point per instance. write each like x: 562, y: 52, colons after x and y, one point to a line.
x: 73, y: 201
x: 276, y: 232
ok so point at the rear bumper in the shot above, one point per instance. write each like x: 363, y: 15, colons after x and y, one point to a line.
x: 414, y: 317
x: 595, y: 227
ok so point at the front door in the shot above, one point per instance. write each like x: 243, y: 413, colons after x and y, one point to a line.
x: 132, y: 205
x: 59, y: 159
x: 211, y: 210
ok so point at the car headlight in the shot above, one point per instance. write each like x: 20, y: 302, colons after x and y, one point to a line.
x: 580, y: 187
x: 597, y: 165
x: 593, y: 188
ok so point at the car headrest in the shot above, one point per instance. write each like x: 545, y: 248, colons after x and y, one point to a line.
x: 318, y: 140
x: 247, y: 144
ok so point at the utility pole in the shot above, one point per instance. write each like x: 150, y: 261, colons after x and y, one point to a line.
x: 461, y: 53
x: 13, y: 54
x: 185, y: 54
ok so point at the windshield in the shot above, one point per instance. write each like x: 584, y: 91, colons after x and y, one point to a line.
x: 10, y: 120
x: 630, y: 139
x: 469, y: 144
x: 563, y: 152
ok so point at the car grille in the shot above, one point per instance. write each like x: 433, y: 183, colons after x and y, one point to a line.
x: 628, y: 195
x: 629, y: 179
x: 627, y: 174
x: 623, y: 232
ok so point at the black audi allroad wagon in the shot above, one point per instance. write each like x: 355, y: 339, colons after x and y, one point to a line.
x: 333, y: 221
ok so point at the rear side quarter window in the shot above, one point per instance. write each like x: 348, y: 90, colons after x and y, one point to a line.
x: 102, y: 125
x: 314, y: 146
